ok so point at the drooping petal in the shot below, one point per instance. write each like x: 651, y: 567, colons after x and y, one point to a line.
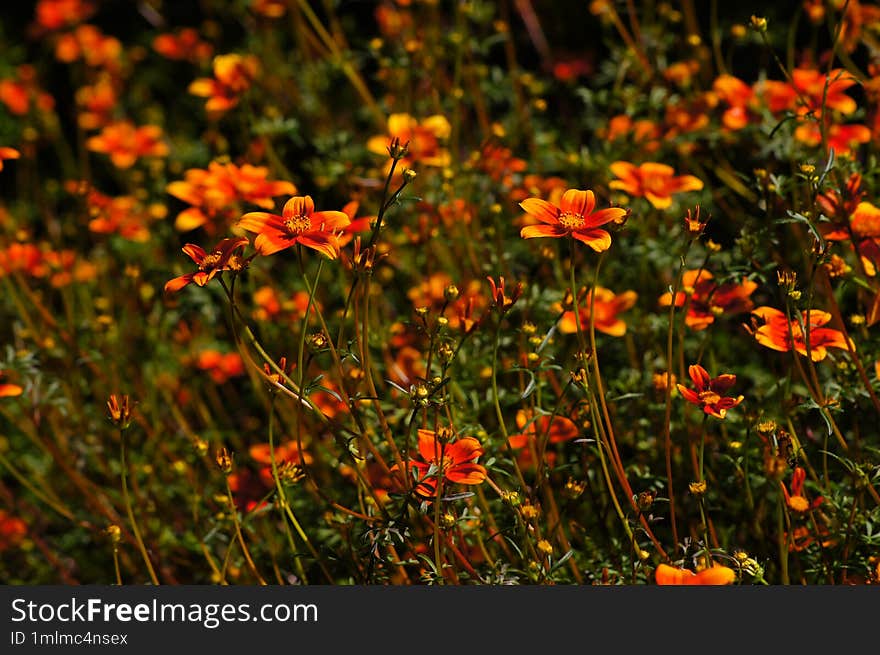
x: 195, y: 253
x: 175, y: 285
x: 270, y: 242
x: 598, y: 240
x: 326, y: 244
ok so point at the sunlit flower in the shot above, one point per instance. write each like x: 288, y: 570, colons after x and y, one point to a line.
x: 671, y: 575
x: 778, y: 333
x: 706, y: 300
x: 796, y: 500
x: 284, y: 453
x: 126, y: 143
x: 217, y: 193
x: 90, y: 44
x: 655, y: 182
x: 210, y: 264
x: 55, y: 14
x: 843, y: 139
x: 864, y: 229
x: 422, y: 139
x: 709, y: 392
x: 573, y: 217
x: 299, y: 223
x: 233, y: 75
x: 606, y: 307
x: 739, y: 98
x: 816, y: 89
x: 453, y: 461
x: 96, y: 103
x: 22, y: 93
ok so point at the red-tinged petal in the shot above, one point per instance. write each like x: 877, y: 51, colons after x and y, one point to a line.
x: 195, y: 253
x: 465, y: 449
x: 429, y: 447
x: 767, y: 337
x: 670, y: 575
x: 227, y: 246
x: 327, y: 245
x: 624, y: 170
x: 268, y: 243
x: 700, y: 376
x: 203, y: 277
x: 722, y: 383
x: 298, y: 206
x: 175, y: 285
x: 537, y: 231
x: 467, y: 474
x: 258, y: 221
x: 561, y: 429
x: 576, y: 201
x: 598, y: 240
x: 330, y: 221
x: 544, y: 211
x: 605, y: 216
x: 688, y: 394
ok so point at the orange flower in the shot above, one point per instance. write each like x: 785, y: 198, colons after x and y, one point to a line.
x: 778, y: 333
x: 708, y: 299
x: 126, y: 143
x: 656, y: 182
x: 233, y: 75
x: 221, y: 258
x: 12, y: 530
x: 215, y: 193
x: 122, y: 215
x: 606, y: 306
x: 8, y: 390
x: 842, y: 138
x: 864, y: 227
x: 220, y: 366
x: 422, y: 139
x: 452, y: 462
x: 574, y: 217
x: 184, y: 45
x: 55, y: 14
x: 739, y: 97
x: 289, y: 452
x: 90, y: 44
x: 298, y: 223
x: 717, y: 575
x: 22, y: 94
x: 557, y: 430
x: 796, y: 500
x: 816, y: 89
x: 96, y: 103
x: 8, y: 153
x: 709, y: 394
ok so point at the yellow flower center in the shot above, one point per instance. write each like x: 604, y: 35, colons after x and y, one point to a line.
x: 297, y: 225
x: 798, y: 504
x: 210, y: 261
x: 709, y: 397
x: 570, y: 220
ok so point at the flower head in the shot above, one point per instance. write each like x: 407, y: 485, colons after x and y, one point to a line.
x: 780, y: 333
x: 655, y: 182
x: 709, y: 392
x: 573, y: 217
x: 796, y: 500
x: 299, y: 223
x: 221, y: 258
x: 606, y: 307
x: 126, y: 143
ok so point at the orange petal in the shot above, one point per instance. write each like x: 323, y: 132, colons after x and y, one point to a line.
x: 544, y: 211
x: 598, y: 240
x: 535, y: 231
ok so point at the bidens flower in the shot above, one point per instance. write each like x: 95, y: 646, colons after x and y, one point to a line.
x: 709, y: 393
x: 221, y: 258
x: 573, y: 217
x: 452, y: 462
x: 298, y: 223
x: 655, y: 182
x: 778, y: 333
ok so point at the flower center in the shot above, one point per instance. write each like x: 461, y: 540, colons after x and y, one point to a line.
x: 798, y: 504
x: 709, y: 397
x: 210, y: 261
x: 297, y: 225
x: 570, y: 220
